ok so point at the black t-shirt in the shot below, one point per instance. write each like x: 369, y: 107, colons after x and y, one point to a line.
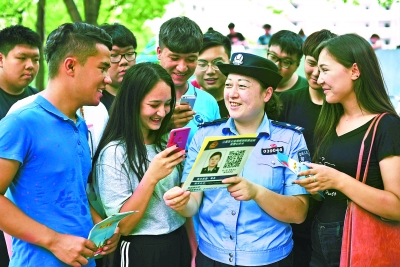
x: 237, y: 36
x: 7, y: 100
x: 223, y: 111
x: 300, y: 83
x: 107, y: 99
x: 298, y: 109
x: 343, y: 156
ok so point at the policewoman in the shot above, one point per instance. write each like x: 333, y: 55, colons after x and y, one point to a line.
x: 248, y: 224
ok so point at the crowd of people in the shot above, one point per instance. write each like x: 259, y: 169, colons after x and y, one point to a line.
x: 94, y: 143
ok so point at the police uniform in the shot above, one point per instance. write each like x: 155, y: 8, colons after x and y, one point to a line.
x: 240, y: 232
x: 206, y: 170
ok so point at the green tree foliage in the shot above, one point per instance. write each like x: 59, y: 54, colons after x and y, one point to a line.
x: 131, y: 13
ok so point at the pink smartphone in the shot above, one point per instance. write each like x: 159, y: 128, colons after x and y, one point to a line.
x: 178, y: 137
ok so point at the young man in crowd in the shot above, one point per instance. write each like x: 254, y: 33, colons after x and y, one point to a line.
x: 216, y: 49
x: 302, y: 107
x: 285, y: 50
x: 19, y: 64
x: 45, y: 157
x: 180, y: 40
x: 264, y: 39
x: 123, y: 56
x: 236, y: 37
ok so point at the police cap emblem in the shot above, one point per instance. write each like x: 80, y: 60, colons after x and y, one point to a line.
x: 238, y: 60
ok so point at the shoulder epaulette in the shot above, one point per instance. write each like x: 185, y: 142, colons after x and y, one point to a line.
x: 214, y: 122
x: 287, y: 125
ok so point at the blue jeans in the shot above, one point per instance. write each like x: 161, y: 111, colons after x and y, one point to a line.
x: 326, y: 243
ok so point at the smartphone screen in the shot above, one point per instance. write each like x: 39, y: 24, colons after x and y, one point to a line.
x: 179, y: 137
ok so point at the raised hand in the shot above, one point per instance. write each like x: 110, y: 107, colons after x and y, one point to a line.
x: 240, y: 188
x: 176, y: 198
x: 320, y: 178
x: 183, y: 113
x: 164, y: 162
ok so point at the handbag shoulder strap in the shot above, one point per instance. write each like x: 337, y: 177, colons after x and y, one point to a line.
x: 374, y: 124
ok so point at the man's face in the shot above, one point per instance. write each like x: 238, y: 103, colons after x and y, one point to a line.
x: 311, y: 72
x: 211, y: 80
x: 19, y: 67
x: 118, y: 70
x: 275, y: 53
x: 92, y: 77
x: 180, y: 66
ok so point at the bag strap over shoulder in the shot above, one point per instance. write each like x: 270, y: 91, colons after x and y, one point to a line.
x: 374, y: 124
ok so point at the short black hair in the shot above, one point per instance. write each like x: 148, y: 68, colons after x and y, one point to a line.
x: 267, y: 26
x: 78, y: 39
x: 180, y: 35
x: 121, y: 35
x: 16, y: 35
x: 289, y: 42
x: 231, y: 25
x: 314, y: 40
x: 213, y: 39
x: 215, y: 154
x: 375, y: 36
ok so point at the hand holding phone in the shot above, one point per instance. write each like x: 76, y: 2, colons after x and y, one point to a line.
x: 178, y: 137
x: 188, y: 99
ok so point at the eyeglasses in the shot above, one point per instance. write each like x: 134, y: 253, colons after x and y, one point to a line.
x: 131, y: 56
x: 203, y: 65
x: 285, y: 63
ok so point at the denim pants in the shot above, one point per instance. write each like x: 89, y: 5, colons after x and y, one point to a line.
x: 326, y: 243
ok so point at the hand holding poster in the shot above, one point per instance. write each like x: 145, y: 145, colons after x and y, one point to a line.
x: 294, y: 166
x: 219, y: 158
x: 105, y: 229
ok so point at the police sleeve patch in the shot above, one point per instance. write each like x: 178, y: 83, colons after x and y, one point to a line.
x: 288, y: 125
x: 304, y: 155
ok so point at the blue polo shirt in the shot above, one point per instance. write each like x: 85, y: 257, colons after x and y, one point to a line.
x: 240, y: 232
x: 206, y: 108
x: 50, y: 184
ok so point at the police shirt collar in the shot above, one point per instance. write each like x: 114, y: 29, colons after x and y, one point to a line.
x: 263, y: 128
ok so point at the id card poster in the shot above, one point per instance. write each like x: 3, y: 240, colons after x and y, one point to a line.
x: 219, y: 158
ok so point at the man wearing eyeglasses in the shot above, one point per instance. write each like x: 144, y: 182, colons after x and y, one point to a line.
x: 285, y: 49
x: 216, y: 49
x: 123, y: 56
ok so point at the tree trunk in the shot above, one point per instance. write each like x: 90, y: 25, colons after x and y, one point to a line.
x: 92, y: 8
x: 40, y: 29
x: 73, y: 10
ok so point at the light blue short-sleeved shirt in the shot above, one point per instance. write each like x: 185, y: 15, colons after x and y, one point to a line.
x: 50, y: 184
x: 240, y: 232
x: 206, y: 108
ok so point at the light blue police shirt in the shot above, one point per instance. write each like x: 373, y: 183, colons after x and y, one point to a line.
x: 206, y: 108
x: 240, y: 232
x: 50, y: 184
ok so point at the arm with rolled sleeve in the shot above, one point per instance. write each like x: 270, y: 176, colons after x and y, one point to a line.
x: 289, y: 205
x: 292, y: 206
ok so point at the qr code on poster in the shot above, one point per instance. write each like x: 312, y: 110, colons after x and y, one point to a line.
x: 234, y: 159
